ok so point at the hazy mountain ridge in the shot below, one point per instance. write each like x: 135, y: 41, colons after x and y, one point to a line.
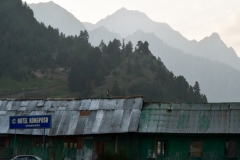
x: 102, y: 33
x: 126, y: 22
x: 218, y: 80
x: 52, y: 14
x: 172, y: 47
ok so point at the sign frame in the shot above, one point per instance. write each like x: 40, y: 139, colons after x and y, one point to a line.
x: 30, y: 122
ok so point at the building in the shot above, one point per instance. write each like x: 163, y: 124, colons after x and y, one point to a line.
x: 123, y: 128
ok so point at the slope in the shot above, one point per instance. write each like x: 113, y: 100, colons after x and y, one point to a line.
x: 126, y: 22
x: 54, y: 15
x: 218, y: 81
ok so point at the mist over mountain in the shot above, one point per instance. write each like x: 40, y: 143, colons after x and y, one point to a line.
x: 102, y: 33
x: 28, y: 46
x: 54, y: 15
x: 218, y: 80
x: 126, y: 22
x: 208, y: 61
x: 89, y: 26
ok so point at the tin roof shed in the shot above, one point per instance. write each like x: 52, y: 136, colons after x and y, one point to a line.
x: 190, y: 118
x: 75, y: 117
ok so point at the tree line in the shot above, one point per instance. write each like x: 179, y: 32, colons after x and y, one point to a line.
x: 27, y: 45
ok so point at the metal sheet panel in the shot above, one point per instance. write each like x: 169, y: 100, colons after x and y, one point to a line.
x: 138, y: 102
x: 98, y: 121
x: 215, y: 106
x: 55, y: 103
x: 153, y: 122
x: 144, y: 118
x: 224, y: 106
x: 82, y: 121
x: 73, y: 122
x: 234, y: 122
x: 31, y: 105
x: 108, y: 104
x: 200, y: 107
x: 194, y: 122
x: 64, y: 123
x: 204, y: 121
x: 164, y: 106
x: 90, y: 123
x: 56, y: 121
x: 95, y: 104
x: 9, y: 105
x: 182, y: 123
x: 171, y: 120
x: 16, y: 105
x: 4, y: 122
x: 125, y: 121
x: 120, y: 103
x: 163, y: 117
x: 85, y: 104
x: 40, y: 103
x: 134, y: 120
x: 46, y: 106
x: 74, y: 105
x: 185, y: 106
x: 235, y: 106
x: 106, y: 122
x: 175, y: 106
x: 116, y: 121
x: 64, y: 104
x: 24, y: 103
x: 128, y: 104
x: 3, y: 105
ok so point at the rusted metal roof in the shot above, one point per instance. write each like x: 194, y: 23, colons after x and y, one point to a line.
x: 190, y: 118
x: 76, y: 117
x: 102, y: 116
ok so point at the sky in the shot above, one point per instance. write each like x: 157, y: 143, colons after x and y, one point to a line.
x: 194, y: 19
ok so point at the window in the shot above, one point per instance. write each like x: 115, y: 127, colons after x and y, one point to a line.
x: 231, y: 149
x: 100, y: 147
x: 4, y: 142
x: 37, y: 141
x: 160, y: 148
x: 48, y: 142
x: 75, y: 142
x: 195, y: 149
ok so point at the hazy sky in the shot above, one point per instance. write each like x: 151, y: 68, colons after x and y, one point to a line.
x: 194, y: 19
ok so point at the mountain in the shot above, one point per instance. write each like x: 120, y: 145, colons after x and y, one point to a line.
x: 102, y: 33
x: 214, y: 48
x: 24, y: 42
x: 218, y: 80
x: 89, y: 26
x: 54, y: 15
x: 126, y: 22
x: 176, y: 52
x: 29, y: 46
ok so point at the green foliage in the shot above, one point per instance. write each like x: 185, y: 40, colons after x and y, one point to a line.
x: 9, y: 85
x: 26, y: 45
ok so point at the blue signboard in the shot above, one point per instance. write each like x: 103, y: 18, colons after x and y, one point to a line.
x: 30, y: 122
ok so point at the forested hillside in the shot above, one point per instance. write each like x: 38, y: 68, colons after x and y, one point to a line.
x: 118, y: 68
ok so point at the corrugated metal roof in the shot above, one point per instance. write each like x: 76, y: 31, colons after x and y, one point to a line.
x: 104, y: 115
x: 190, y: 118
x: 100, y: 116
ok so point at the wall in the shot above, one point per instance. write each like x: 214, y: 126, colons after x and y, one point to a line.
x: 129, y: 146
